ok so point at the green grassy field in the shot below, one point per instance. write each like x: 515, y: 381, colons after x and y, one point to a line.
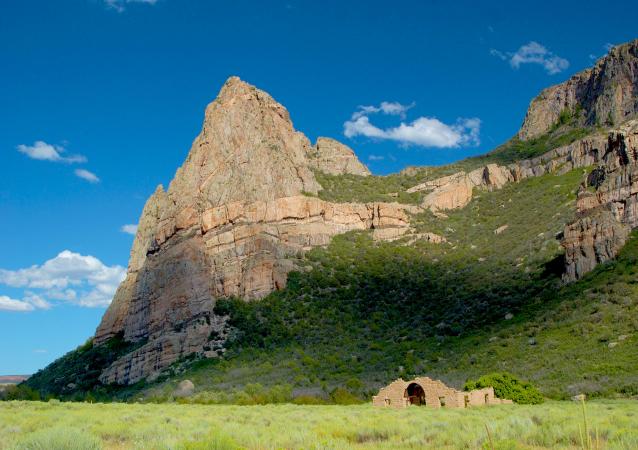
x: 54, y: 425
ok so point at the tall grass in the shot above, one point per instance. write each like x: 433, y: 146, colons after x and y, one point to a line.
x: 173, y: 426
x: 59, y: 438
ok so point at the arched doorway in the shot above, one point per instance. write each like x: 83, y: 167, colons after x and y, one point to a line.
x: 415, y: 394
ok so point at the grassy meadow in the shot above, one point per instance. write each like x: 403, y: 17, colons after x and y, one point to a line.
x: 611, y: 424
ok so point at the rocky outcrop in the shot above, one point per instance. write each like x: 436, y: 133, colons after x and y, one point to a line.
x: 607, y: 206
x: 456, y: 191
x: 243, y: 208
x: 603, y: 95
x: 607, y: 203
x: 233, y: 222
x: 333, y: 157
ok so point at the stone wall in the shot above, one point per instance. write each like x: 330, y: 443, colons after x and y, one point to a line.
x: 435, y: 393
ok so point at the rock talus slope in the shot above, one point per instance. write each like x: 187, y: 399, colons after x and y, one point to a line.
x: 233, y: 221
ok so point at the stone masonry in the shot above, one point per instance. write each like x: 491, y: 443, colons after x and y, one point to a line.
x: 424, y: 391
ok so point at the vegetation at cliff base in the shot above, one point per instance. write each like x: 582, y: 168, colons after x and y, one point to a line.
x: 76, y: 374
x: 367, y: 313
x: 362, y: 313
x: 392, y: 188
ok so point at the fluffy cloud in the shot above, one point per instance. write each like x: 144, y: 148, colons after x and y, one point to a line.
x: 376, y: 157
x: 10, y: 304
x: 423, y: 131
x: 86, y: 175
x: 130, y: 228
x: 533, y: 53
x: 119, y: 5
x: 42, y: 151
x: 30, y: 302
x: 69, y: 277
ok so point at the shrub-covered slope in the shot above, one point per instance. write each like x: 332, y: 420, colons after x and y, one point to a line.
x: 362, y: 312
x: 389, y: 188
x: 365, y: 313
x: 358, y: 313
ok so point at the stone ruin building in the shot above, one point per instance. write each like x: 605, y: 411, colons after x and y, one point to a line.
x: 424, y: 391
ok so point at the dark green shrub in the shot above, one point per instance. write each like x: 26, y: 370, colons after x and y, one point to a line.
x: 507, y: 386
x: 19, y: 392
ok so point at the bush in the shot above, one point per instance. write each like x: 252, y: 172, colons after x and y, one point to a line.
x: 341, y: 396
x: 19, y: 392
x: 507, y: 386
x: 60, y: 438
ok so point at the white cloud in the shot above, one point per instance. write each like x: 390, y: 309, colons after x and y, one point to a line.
x: 424, y: 131
x: 119, y: 5
x: 36, y: 300
x: 533, y: 53
x: 86, y: 175
x: 130, y: 228
x: 499, y: 54
x: 10, y: 304
x: 42, y: 151
x: 69, y: 277
x: 388, y: 108
x: 40, y: 350
x: 376, y: 158
x: 608, y: 46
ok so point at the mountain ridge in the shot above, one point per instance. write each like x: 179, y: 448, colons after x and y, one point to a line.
x: 252, y: 203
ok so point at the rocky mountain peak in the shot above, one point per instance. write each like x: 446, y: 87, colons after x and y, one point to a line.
x: 232, y: 222
x: 333, y: 157
x: 602, y: 95
x: 247, y: 150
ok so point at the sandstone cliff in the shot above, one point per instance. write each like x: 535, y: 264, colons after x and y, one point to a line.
x: 233, y: 222
x: 603, y: 95
x: 607, y: 205
x: 243, y: 208
x: 333, y: 157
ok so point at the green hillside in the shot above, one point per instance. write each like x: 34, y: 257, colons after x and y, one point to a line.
x: 364, y: 313
x: 361, y: 313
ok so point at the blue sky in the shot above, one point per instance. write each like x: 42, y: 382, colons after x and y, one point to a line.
x: 100, y: 100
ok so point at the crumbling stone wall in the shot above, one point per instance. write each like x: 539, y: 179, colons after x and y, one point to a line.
x: 435, y: 393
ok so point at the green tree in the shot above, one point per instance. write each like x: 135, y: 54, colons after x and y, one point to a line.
x: 507, y: 386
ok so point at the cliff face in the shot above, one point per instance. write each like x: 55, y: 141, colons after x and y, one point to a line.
x: 242, y: 209
x: 603, y: 95
x: 607, y: 205
x: 232, y: 223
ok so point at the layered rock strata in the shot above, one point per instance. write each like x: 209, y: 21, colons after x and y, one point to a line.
x: 243, y: 208
x: 456, y: 191
x: 233, y: 222
x: 607, y: 205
